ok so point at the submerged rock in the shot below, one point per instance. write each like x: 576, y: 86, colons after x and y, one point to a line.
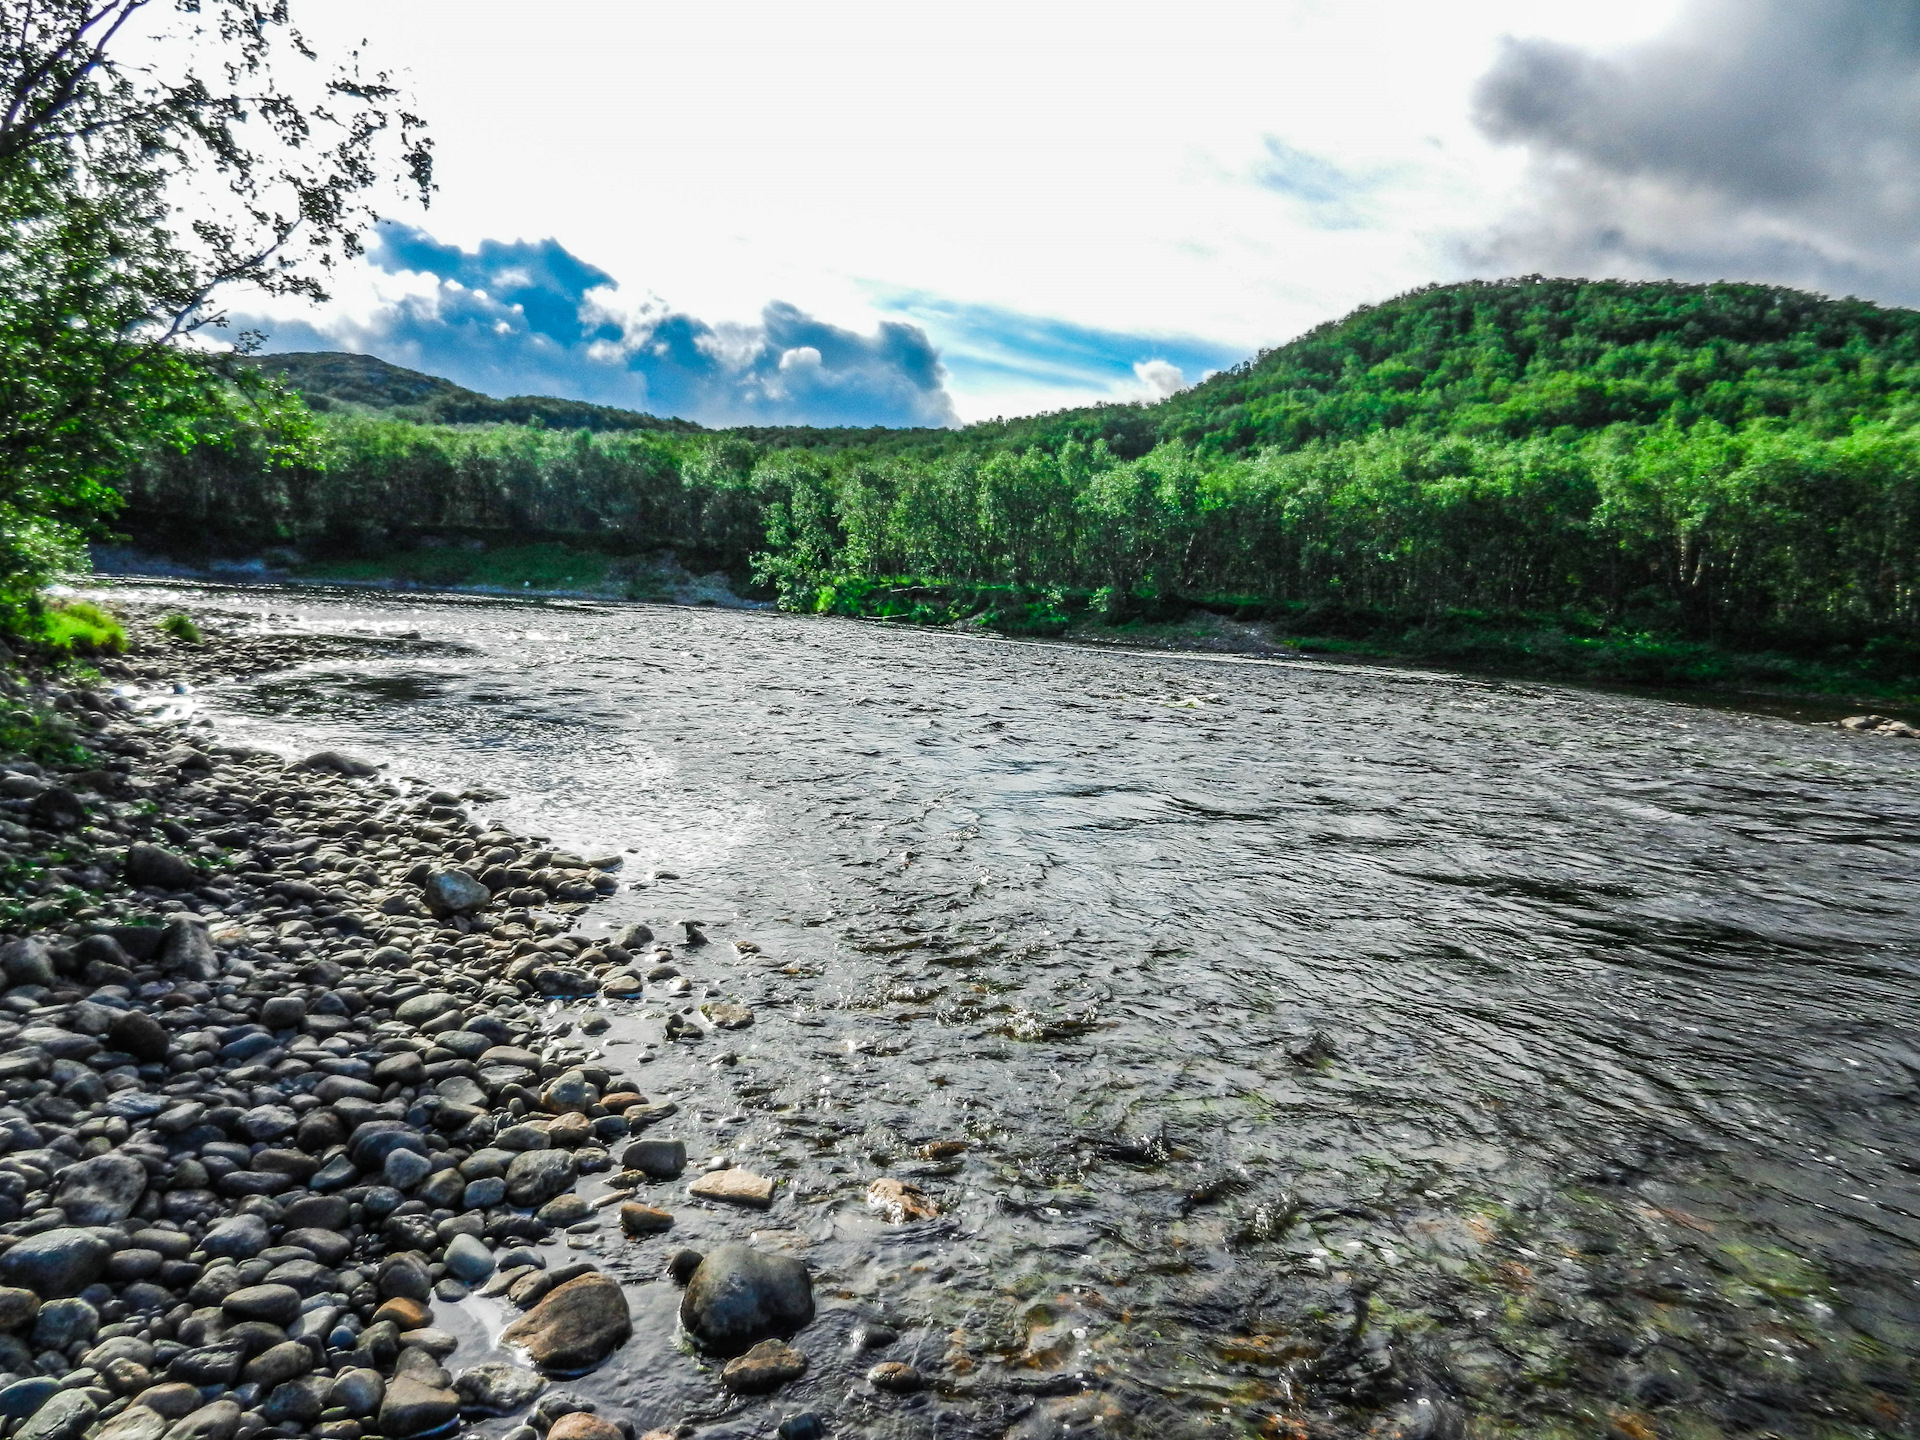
x: 739, y: 1296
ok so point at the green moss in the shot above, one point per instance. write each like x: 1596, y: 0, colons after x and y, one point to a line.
x: 75, y: 628
x: 182, y: 628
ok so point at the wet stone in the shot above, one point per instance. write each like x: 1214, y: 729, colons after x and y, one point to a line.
x: 738, y: 1296
x: 764, y: 1368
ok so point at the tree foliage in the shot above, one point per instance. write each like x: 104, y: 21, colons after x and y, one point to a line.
x: 134, y: 194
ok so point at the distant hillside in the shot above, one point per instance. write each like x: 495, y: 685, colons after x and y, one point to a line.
x: 333, y: 381
x: 1530, y: 357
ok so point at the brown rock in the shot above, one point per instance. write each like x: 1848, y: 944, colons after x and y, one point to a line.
x: 900, y: 1202
x: 638, y: 1219
x: 734, y: 1187
x: 575, y: 1326
x: 764, y: 1368
x: 405, y: 1314
x: 582, y: 1426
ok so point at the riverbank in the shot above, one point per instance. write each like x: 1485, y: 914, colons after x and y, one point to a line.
x: 1882, y: 675
x: 281, y: 1073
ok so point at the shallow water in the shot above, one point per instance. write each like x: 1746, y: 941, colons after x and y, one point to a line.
x: 1613, y: 1125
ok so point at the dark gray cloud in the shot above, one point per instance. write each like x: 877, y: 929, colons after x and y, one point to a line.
x: 531, y: 318
x: 1757, y: 139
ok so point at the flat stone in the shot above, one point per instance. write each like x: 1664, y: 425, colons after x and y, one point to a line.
x: 63, y: 1417
x: 136, y: 1422
x: 734, y: 1187
x: 575, y: 1326
x: 536, y: 1176
x: 101, y: 1191
x: 764, y: 1368
x: 242, y: 1237
x: 275, y: 1304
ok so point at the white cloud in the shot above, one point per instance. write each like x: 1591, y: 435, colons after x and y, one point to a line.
x: 860, y: 149
x: 1161, y: 378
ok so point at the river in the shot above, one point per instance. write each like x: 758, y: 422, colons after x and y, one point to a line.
x: 1333, y: 1047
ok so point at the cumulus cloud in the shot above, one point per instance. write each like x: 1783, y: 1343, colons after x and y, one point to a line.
x: 529, y: 317
x: 1761, y: 139
x: 1160, y: 377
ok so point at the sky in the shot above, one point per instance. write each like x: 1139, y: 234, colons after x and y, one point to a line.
x: 845, y: 213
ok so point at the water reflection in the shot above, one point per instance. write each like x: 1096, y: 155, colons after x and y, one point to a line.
x: 1323, y: 1048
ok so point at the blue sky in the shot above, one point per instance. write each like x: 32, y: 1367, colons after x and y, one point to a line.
x: 864, y: 213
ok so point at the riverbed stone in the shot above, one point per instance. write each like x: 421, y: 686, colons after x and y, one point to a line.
x: 575, y: 1326
x: 896, y: 1378
x: 55, y: 1262
x: 240, y: 1237
x: 359, y: 1390
x: 149, y: 865
x: 64, y: 1417
x: 101, y: 1191
x: 497, y: 1388
x: 536, y: 1176
x: 186, y: 950
x: 738, y: 1296
x: 455, y: 892
x: 581, y: 1425
x: 764, y: 1368
x: 657, y: 1159
x: 638, y: 1219
x: 415, y: 1405
x: 468, y: 1260
x: 734, y: 1187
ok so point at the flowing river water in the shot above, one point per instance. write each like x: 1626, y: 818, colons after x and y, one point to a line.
x: 1334, y: 1049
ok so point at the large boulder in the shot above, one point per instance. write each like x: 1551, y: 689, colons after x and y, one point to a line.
x: 55, y: 1262
x: 575, y: 1326
x: 454, y: 892
x: 101, y: 1191
x: 63, y: 1417
x: 162, y: 869
x: 739, y: 1296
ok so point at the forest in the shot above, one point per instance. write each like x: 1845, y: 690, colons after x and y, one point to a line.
x: 1617, y: 474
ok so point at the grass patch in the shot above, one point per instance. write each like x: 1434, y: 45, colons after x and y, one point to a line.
x: 76, y: 628
x: 544, y: 565
x: 181, y: 627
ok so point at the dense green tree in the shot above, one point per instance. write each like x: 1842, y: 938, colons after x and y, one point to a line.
x: 134, y: 195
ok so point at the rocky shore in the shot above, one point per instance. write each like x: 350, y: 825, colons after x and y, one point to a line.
x: 279, y: 1070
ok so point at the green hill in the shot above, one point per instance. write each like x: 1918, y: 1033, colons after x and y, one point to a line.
x: 1532, y: 356
x: 1591, y: 477
x: 338, y: 382
x: 331, y: 381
